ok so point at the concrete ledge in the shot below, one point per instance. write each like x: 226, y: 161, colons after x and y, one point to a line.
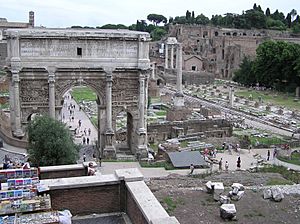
x: 79, y: 182
x: 150, y: 207
x: 131, y: 174
x: 169, y: 220
x: 44, y: 169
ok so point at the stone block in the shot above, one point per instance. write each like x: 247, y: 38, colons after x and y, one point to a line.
x: 227, y: 211
x: 267, y: 194
x: 224, y: 199
x: 239, y: 186
x: 277, y: 194
x: 238, y: 196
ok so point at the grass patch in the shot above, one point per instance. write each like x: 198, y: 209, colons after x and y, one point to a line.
x: 154, y: 146
x: 161, y: 164
x: 267, y: 140
x: 278, y: 181
x: 287, y: 174
x: 94, y: 120
x: 83, y: 94
x: 171, y: 204
x: 161, y: 113
x: 281, y: 99
x: 295, y: 159
x: 183, y: 144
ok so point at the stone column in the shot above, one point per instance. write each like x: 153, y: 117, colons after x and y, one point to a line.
x: 18, y: 132
x: 179, y: 68
x: 109, y: 102
x: 11, y: 104
x: 109, y: 150
x: 142, y: 104
x: 172, y: 56
x: 166, y: 55
x: 179, y: 97
x: 231, y: 96
x: 51, y: 82
x: 153, y: 71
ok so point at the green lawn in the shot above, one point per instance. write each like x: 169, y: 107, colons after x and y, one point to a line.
x: 295, y: 159
x: 161, y: 113
x: 94, y: 121
x: 275, y: 98
x: 267, y: 140
x: 83, y: 93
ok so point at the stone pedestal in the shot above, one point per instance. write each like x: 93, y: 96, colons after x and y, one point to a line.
x: 109, y: 150
x: 179, y: 100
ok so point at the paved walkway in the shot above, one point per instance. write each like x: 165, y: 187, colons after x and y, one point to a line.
x: 78, y: 114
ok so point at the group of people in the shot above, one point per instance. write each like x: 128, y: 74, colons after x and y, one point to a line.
x: 238, y: 164
x: 10, y: 164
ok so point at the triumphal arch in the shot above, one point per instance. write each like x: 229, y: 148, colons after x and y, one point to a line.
x: 43, y: 64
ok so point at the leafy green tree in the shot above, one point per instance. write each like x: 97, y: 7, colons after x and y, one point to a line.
x: 50, y: 143
x: 275, y: 24
x: 158, y: 33
x: 188, y: 15
x: 275, y: 65
x: 171, y: 19
x: 278, y: 16
x: 202, y: 19
x: 293, y: 14
x: 255, y: 18
x: 156, y: 18
x: 180, y: 20
x: 245, y: 75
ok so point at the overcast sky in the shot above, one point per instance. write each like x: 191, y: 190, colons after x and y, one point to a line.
x: 65, y: 13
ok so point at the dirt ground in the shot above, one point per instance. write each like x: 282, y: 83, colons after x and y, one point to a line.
x: 187, y: 200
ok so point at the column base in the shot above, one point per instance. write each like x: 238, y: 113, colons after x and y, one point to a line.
x: 109, y: 152
x: 179, y: 100
x: 141, y: 152
x: 18, y: 133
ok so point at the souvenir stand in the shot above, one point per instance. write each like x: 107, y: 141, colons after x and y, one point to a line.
x: 19, y: 202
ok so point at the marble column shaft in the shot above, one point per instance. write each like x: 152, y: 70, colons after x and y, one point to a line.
x: 172, y: 56
x: 142, y: 104
x: 166, y: 55
x: 16, y: 81
x: 179, y: 68
x: 109, y: 102
x: 51, y: 81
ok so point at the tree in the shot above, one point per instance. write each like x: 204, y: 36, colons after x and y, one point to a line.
x: 293, y: 14
x: 188, y: 15
x: 158, y: 33
x: 245, y: 75
x: 156, y: 18
x: 268, y: 12
x: 288, y: 20
x: 202, y: 19
x: 255, y: 18
x: 50, y: 143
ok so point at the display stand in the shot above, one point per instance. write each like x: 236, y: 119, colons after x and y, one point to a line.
x: 19, y: 195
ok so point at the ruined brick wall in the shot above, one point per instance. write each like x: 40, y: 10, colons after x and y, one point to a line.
x: 210, y: 128
x: 87, y: 200
x: 222, y: 49
x: 133, y: 211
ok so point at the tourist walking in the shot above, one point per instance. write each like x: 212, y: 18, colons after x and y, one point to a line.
x: 191, y: 169
x: 84, y: 157
x: 89, y: 131
x: 84, y: 131
x: 87, y: 140
x: 268, y: 155
x: 83, y: 140
x: 226, y: 166
x: 238, y: 163
x: 79, y: 123
x: 220, y: 164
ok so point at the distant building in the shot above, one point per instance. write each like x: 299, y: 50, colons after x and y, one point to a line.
x: 4, y: 25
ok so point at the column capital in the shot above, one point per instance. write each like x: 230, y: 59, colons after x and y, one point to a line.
x: 15, y: 76
x: 51, y: 78
x: 109, y: 77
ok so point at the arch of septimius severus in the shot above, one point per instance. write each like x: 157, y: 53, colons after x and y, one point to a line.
x: 43, y: 64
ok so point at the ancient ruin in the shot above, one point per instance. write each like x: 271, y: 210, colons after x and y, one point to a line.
x: 43, y: 64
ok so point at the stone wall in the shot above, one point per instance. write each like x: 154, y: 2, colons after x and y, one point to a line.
x: 51, y: 172
x: 124, y: 191
x: 87, y: 200
x: 209, y: 128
